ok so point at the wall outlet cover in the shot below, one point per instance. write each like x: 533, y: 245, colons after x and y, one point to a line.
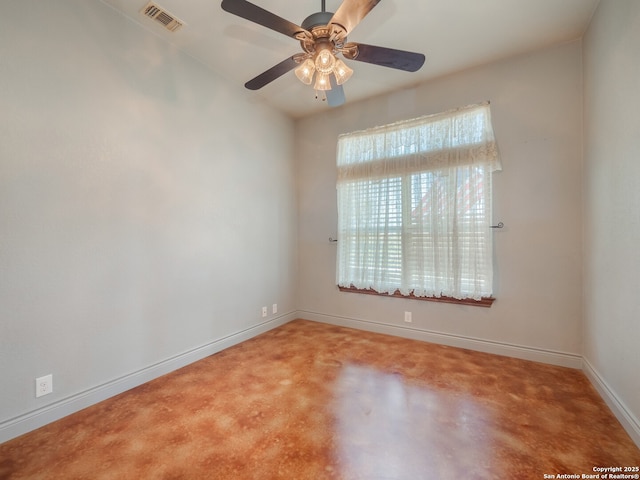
x: 44, y: 385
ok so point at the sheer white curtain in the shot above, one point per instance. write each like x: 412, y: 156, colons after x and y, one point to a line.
x: 414, y: 206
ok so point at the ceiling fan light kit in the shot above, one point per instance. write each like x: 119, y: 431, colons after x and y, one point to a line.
x: 324, y: 63
x: 322, y: 37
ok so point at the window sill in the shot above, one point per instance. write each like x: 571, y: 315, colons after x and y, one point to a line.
x: 484, y: 302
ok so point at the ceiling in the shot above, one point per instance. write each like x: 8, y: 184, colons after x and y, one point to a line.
x: 453, y: 34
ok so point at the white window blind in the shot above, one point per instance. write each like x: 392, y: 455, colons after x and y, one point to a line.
x: 414, y: 206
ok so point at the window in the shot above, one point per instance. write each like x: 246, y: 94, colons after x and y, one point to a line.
x: 414, y: 206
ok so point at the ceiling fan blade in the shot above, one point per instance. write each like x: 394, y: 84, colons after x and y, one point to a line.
x: 386, y: 57
x: 349, y: 15
x: 335, y: 96
x: 258, y: 15
x: 270, y: 75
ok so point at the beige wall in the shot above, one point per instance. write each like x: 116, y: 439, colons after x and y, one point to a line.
x: 536, y: 103
x: 147, y: 208
x: 612, y: 206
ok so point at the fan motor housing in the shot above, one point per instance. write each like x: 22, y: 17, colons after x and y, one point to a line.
x: 318, y: 25
x: 317, y: 19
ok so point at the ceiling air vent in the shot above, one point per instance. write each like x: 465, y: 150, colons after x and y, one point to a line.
x: 160, y: 15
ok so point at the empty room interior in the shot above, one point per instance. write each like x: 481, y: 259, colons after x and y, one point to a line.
x: 173, y: 301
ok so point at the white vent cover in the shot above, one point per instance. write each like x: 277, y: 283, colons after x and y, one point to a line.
x: 160, y: 15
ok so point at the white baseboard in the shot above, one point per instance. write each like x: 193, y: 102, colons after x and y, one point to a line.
x: 37, y: 418
x: 617, y: 406
x: 509, y: 350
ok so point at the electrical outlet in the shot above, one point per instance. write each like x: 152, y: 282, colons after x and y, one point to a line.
x: 407, y: 317
x: 44, y: 385
x: 264, y: 312
x: 274, y: 308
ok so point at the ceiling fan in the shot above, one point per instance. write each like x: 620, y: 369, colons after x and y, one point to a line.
x: 323, y: 36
